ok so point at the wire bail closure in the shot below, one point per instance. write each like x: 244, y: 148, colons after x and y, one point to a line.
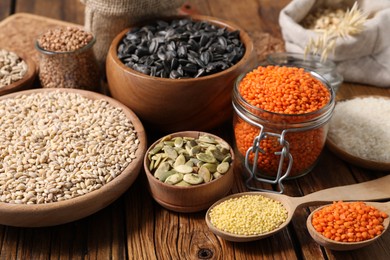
x: 284, y: 153
x: 308, y: 121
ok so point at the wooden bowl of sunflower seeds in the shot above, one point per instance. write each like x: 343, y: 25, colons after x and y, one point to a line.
x: 17, y: 71
x: 188, y: 171
x: 65, y: 154
x: 178, y: 73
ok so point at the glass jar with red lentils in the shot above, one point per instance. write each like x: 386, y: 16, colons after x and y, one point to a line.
x: 280, y: 121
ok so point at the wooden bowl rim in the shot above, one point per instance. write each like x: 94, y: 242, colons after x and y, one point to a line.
x: 150, y: 176
x: 337, y: 245
x: 245, y: 238
x: 244, y: 37
x: 86, y: 198
x: 355, y: 160
x: 28, y: 77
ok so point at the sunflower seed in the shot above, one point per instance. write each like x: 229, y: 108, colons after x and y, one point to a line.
x: 181, y: 42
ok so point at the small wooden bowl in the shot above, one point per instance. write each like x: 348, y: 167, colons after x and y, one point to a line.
x: 172, y: 105
x: 188, y: 199
x: 27, y: 79
x: 347, y: 246
x: 353, y: 159
x: 55, y: 213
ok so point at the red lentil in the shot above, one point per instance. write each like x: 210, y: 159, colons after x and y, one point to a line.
x: 284, y: 90
x: 349, y: 221
x: 285, y: 95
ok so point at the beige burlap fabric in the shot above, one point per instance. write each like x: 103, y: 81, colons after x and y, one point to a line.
x: 106, y: 18
x: 364, y: 58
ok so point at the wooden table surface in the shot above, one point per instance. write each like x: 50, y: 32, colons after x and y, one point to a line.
x: 135, y: 227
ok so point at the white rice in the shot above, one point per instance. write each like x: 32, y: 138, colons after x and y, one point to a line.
x: 361, y: 127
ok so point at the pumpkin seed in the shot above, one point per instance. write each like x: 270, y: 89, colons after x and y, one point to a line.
x: 164, y: 175
x: 205, y: 174
x: 194, y: 150
x: 164, y: 167
x: 174, y: 178
x: 156, y: 149
x: 217, y: 175
x: 212, y: 167
x: 223, y: 167
x: 170, y: 152
x: 204, y: 157
x: 196, y: 162
x: 201, y: 159
x: 183, y: 184
x: 218, y: 154
x: 192, y: 178
x: 183, y: 168
x: 166, y: 138
x: 154, y: 163
x: 190, y: 163
x: 180, y: 160
x: 178, y: 142
x: 228, y: 159
x: 207, y: 139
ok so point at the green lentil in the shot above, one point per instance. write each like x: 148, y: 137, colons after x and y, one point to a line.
x: 248, y: 215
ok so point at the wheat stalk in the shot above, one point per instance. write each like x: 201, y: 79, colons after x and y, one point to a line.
x: 351, y: 24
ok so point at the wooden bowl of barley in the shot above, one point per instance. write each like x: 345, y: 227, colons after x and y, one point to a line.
x: 25, y: 81
x: 65, y: 154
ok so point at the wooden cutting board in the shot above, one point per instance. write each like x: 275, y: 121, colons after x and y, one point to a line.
x: 18, y: 32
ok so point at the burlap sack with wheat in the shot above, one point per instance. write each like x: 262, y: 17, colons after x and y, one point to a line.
x: 362, y: 58
x: 107, y: 18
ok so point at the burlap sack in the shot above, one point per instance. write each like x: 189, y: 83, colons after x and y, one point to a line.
x: 364, y: 58
x: 107, y: 18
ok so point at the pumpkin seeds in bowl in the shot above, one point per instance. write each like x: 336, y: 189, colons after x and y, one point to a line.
x: 187, y: 161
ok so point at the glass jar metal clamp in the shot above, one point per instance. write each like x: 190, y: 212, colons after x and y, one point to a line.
x: 283, y: 129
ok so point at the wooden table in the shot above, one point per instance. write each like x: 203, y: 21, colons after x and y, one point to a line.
x: 135, y: 227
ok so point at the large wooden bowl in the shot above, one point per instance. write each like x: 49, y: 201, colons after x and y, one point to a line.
x: 188, y: 199
x: 172, y: 105
x: 54, y: 213
x: 27, y: 79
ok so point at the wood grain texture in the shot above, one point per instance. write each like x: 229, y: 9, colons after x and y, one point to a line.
x: 65, y: 10
x: 136, y: 227
x: 5, y: 8
x: 20, y: 31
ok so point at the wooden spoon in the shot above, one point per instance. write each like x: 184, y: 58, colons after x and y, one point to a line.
x: 342, y: 246
x: 371, y: 190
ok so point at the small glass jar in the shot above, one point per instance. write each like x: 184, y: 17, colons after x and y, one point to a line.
x: 284, y: 146
x: 71, y: 69
x: 327, y: 68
